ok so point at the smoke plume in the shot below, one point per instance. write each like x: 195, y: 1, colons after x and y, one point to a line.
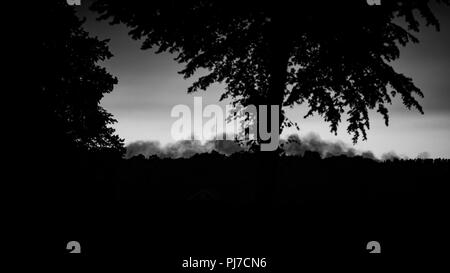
x: 181, y: 149
x: 292, y: 146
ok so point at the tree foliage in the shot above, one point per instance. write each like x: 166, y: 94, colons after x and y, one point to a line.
x: 333, y: 56
x: 70, y: 81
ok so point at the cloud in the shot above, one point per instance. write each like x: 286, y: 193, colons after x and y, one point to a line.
x: 313, y: 143
x: 146, y: 148
x: 226, y: 147
x: 294, y: 145
x: 390, y: 156
x: 423, y: 155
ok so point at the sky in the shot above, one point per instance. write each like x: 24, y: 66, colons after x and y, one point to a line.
x: 149, y: 87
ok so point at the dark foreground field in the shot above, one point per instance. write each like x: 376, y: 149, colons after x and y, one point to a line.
x: 157, y: 212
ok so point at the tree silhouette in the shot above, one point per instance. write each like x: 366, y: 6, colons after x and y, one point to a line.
x: 71, y: 83
x: 331, y: 55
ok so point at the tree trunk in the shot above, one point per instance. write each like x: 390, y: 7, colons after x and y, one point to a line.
x: 278, y: 53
